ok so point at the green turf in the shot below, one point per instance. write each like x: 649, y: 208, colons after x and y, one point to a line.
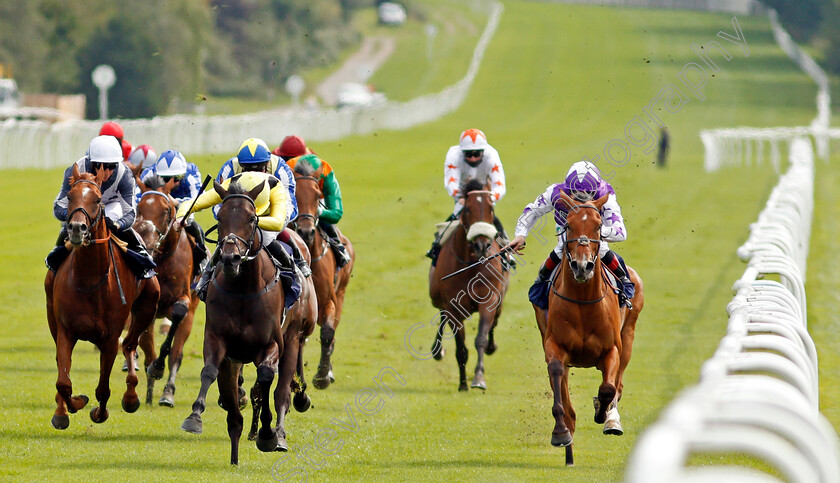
x: 558, y: 82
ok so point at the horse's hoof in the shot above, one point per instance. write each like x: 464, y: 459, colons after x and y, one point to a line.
x: 491, y: 349
x: 136, y: 366
x: 155, y: 370
x: 613, y: 427
x: 478, y: 383
x: 561, y: 439
x: 439, y: 354
x: 463, y: 387
x: 77, y: 402
x: 60, y: 422
x: 192, y: 424
x: 130, y: 407
x: 252, y: 436
x: 99, y: 415
x: 243, y: 399
x: 301, y: 402
x: 331, y: 375
x: 267, y: 443
x: 321, y: 382
x: 167, y: 400
x: 282, y: 446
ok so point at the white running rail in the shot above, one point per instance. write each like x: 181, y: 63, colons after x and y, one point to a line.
x: 38, y: 144
x: 759, y: 394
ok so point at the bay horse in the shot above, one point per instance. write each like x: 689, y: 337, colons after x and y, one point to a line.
x: 91, y: 297
x: 480, y: 289
x: 301, y: 318
x: 245, y: 321
x: 172, y: 250
x: 330, y: 283
x: 584, y: 326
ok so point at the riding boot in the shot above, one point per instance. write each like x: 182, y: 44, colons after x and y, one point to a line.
x: 276, y: 250
x: 434, y: 251
x: 140, y: 261
x: 342, y: 258
x: 58, y: 254
x: 200, y: 287
x: 299, y: 260
x: 615, y: 263
x: 201, y: 254
x: 538, y: 293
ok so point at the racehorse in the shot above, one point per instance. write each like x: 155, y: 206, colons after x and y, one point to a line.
x: 244, y: 322
x: 585, y: 326
x: 172, y: 251
x: 330, y: 283
x: 479, y: 289
x: 300, y: 319
x: 90, y: 297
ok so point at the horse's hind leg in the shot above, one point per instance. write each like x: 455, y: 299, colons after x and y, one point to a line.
x: 481, y: 342
x: 461, y: 352
x: 282, y: 393
x: 176, y: 315
x: 324, y: 376
x: 108, y: 352
x: 437, y: 346
x: 570, y: 417
x: 142, y: 316
x: 301, y: 400
x: 229, y: 392
x: 147, y: 343
x: 64, y: 399
x: 607, y: 390
x: 256, y: 404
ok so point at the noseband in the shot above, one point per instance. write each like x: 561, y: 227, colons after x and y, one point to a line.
x: 234, y: 238
x: 92, y: 222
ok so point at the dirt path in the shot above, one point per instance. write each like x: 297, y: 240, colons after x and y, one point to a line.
x: 358, y: 67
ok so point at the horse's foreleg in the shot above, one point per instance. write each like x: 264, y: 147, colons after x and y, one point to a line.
x: 461, y: 352
x: 147, y: 343
x: 229, y: 392
x: 256, y: 404
x: 214, y: 354
x: 282, y: 393
x: 570, y: 417
x: 437, y: 346
x: 482, y: 339
x: 182, y: 333
x: 301, y: 400
x: 176, y: 315
x: 267, y: 438
x: 142, y: 316
x: 607, y: 391
x: 561, y: 435
x: 325, y: 376
x: 65, y: 401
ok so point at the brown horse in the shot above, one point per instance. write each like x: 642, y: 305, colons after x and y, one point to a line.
x: 585, y: 326
x: 300, y: 319
x: 172, y: 250
x: 330, y: 283
x: 91, y: 297
x: 480, y: 289
x: 245, y: 321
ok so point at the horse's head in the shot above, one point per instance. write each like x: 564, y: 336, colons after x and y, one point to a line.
x: 155, y: 211
x: 583, y: 236
x: 308, y: 194
x: 477, y: 217
x: 84, y: 206
x: 237, y: 225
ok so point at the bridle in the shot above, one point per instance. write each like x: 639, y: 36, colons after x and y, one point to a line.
x: 92, y: 222
x: 582, y: 241
x: 481, y: 214
x: 314, y: 218
x: 307, y: 216
x: 234, y: 238
x: 169, y: 213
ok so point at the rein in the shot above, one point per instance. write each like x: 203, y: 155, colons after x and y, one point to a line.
x: 92, y: 222
x: 233, y: 238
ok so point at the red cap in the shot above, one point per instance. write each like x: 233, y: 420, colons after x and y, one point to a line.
x: 292, y: 146
x: 111, y: 128
x: 127, y: 148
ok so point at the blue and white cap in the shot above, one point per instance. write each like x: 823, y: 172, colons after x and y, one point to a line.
x: 171, y: 163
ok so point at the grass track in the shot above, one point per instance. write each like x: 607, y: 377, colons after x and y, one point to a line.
x: 557, y: 83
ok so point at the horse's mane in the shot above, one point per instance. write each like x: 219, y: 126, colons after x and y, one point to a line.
x: 154, y: 182
x: 304, y: 169
x: 472, y: 185
x: 235, y: 188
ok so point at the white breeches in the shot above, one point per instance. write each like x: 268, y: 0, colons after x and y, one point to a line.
x: 267, y: 236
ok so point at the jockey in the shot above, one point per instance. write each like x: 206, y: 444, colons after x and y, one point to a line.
x: 271, y: 212
x: 118, y: 198
x: 263, y: 161
x: 172, y: 165
x: 472, y: 159
x: 583, y: 183
x: 112, y: 128
x: 143, y: 156
x: 331, y: 208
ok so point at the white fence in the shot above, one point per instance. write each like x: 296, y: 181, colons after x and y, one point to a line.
x: 759, y: 394
x: 743, y: 7
x: 28, y: 144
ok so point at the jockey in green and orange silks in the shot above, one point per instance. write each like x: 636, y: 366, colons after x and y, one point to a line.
x: 331, y: 208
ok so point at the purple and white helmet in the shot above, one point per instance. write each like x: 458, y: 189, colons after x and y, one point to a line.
x: 583, y: 180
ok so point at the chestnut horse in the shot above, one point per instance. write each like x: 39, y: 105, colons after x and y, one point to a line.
x: 244, y: 323
x: 585, y: 326
x: 172, y: 251
x: 480, y: 289
x: 91, y: 297
x: 300, y: 319
x: 330, y: 283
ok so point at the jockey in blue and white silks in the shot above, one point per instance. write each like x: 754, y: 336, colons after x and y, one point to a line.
x: 276, y: 166
x: 583, y: 183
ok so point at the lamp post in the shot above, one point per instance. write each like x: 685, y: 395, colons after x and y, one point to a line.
x: 103, y: 77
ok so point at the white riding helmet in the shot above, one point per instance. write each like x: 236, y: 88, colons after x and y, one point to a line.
x: 105, y: 149
x: 473, y: 140
x: 171, y: 163
x: 143, y: 155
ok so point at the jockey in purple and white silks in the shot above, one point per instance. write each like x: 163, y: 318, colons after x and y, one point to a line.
x: 583, y: 183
